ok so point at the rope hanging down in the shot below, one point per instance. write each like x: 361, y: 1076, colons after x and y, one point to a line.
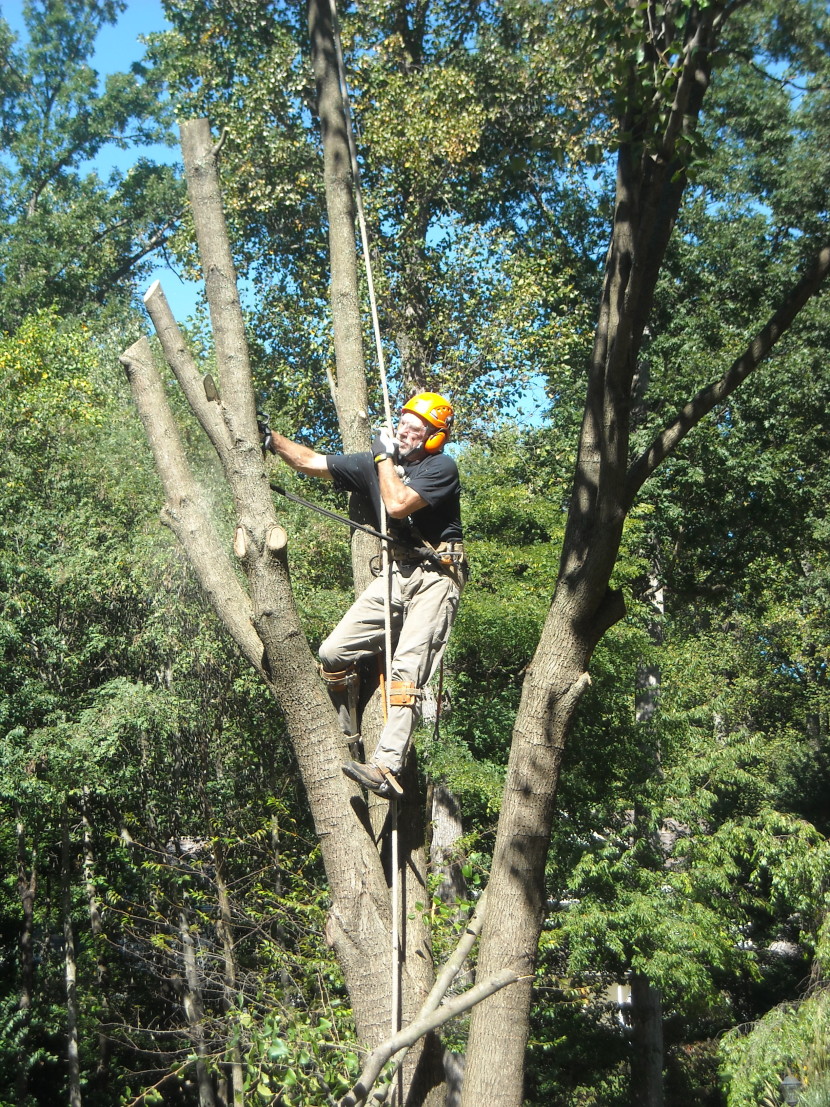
x: 387, y: 564
x: 361, y: 218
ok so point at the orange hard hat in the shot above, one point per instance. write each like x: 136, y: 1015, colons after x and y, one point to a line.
x: 436, y: 411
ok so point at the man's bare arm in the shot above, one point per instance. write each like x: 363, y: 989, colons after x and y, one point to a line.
x: 398, y: 498
x: 300, y: 457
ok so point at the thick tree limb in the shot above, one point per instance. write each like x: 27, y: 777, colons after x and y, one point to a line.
x: 199, y: 153
x: 740, y: 369
x: 348, y: 386
x: 690, y: 75
x: 184, y: 511
x: 180, y: 361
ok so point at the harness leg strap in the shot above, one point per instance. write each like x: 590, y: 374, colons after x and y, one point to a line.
x: 343, y: 686
x: 403, y: 693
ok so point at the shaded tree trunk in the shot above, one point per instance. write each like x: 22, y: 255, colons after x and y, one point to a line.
x: 97, y: 927
x: 27, y: 886
x: 447, y: 829
x: 194, y: 1011
x: 650, y: 184
x: 224, y: 927
x: 73, y: 1063
x: 646, y: 1012
x: 646, y: 1043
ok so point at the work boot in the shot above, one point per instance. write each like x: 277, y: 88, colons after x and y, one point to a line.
x: 373, y: 779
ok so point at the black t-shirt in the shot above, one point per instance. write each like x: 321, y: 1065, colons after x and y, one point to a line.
x: 434, y: 478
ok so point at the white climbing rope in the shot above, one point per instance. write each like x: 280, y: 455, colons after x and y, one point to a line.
x: 386, y: 562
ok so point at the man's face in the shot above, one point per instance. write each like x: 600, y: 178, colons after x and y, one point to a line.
x: 412, y: 434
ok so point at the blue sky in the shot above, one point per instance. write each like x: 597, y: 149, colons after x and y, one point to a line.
x: 117, y: 47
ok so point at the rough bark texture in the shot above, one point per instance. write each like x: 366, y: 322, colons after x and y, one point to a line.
x: 263, y: 621
x: 447, y: 829
x: 650, y: 183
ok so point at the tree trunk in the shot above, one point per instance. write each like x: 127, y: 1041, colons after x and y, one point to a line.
x: 26, y: 885
x: 650, y: 185
x: 73, y: 1063
x: 349, y: 390
x: 194, y: 1012
x: 446, y: 831
x: 646, y: 1008
x: 350, y: 394
x: 97, y: 926
x: 646, y: 1043
x: 499, y: 1027
x: 224, y: 927
x: 583, y: 608
x: 265, y: 624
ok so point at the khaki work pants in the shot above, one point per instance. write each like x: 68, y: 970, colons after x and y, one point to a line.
x: 424, y: 602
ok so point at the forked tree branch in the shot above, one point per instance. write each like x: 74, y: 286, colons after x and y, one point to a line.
x: 184, y: 511
x: 433, y: 1013
x: 715, y: 393
x: 421, y: 1026
x: 181, y: 361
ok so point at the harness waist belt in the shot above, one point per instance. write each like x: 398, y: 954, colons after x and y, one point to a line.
x: 447, y: 552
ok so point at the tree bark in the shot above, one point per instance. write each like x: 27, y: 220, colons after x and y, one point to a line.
x: 73, y: 1063
x: 27, y: 886
x: 348, y: 386
x: 650, y: 184
x: 194, y: 1012
x: 446, y: 831
x: 646, y: 1043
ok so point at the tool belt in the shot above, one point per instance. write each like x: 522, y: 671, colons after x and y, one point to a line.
x: 448, y: 557
x: 448, y: 553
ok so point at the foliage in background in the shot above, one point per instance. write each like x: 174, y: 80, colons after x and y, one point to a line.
x: 692, y: 846
x: 69, y: 239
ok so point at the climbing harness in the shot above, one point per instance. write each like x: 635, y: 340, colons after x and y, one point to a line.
x: 437, y: 555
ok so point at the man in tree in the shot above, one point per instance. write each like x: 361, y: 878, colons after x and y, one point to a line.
x: 418, y: 486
